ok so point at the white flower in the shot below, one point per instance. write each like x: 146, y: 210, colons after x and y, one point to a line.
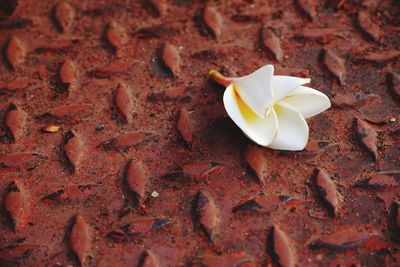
x: 271, y: 109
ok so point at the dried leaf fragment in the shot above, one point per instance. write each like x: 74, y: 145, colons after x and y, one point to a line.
x: 272, y: 43
x: 382, y: 57
x: 73, y: 149
x: 123, y: 102
x: 116, y: 35
x: 171, y: 58
x: 111, y: 69
x: 17, y: 205
x: 368, y: 137
x: 60, y: 45
x: 138, y: 227
x: 256, y: 159
x: 202, y: 169
x: 186, y: 126
x: 369, y: 26
x: 342, y: 239
x: 15, y: 52
x: 353, y: 100
x: 262, y: 204
x: 71, y: 193
x: 213, y: 20
x: 250, y: 205
x: 334, y: 64
x: 137, y: 178
x: 64, y: 15
x: 67, y: 73
x: 69, y: 111
x: 15, y: 121
x: 18, y: 84
x: 206, y: 213
x: 283, y: 248
x: 319, y: 34
x: 327, y: 190
x: 80, y: 239
x: 378, y: 181
x: 125, y: 141
x: 25, y: 160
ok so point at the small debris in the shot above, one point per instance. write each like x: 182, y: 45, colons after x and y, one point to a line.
x: 51, y: 128
x: 100, y: 127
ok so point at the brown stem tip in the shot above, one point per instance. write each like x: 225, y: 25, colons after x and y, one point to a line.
x: 219, y: 78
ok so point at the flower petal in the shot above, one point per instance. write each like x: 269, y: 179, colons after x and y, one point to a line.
x: 293, y: 129
x: 308, y: 101
x: 256, y: 89
x: 284, y: 85
x: 260, y: 130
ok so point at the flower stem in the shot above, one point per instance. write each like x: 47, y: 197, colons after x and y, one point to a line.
x: 219, y: 78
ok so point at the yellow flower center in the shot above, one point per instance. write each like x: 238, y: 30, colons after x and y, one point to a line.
x: 246, y: 111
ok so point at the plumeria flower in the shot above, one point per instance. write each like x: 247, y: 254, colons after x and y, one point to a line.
x: 271, y: 109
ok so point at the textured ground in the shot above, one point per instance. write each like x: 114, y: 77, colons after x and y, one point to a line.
x: 116, y: 150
